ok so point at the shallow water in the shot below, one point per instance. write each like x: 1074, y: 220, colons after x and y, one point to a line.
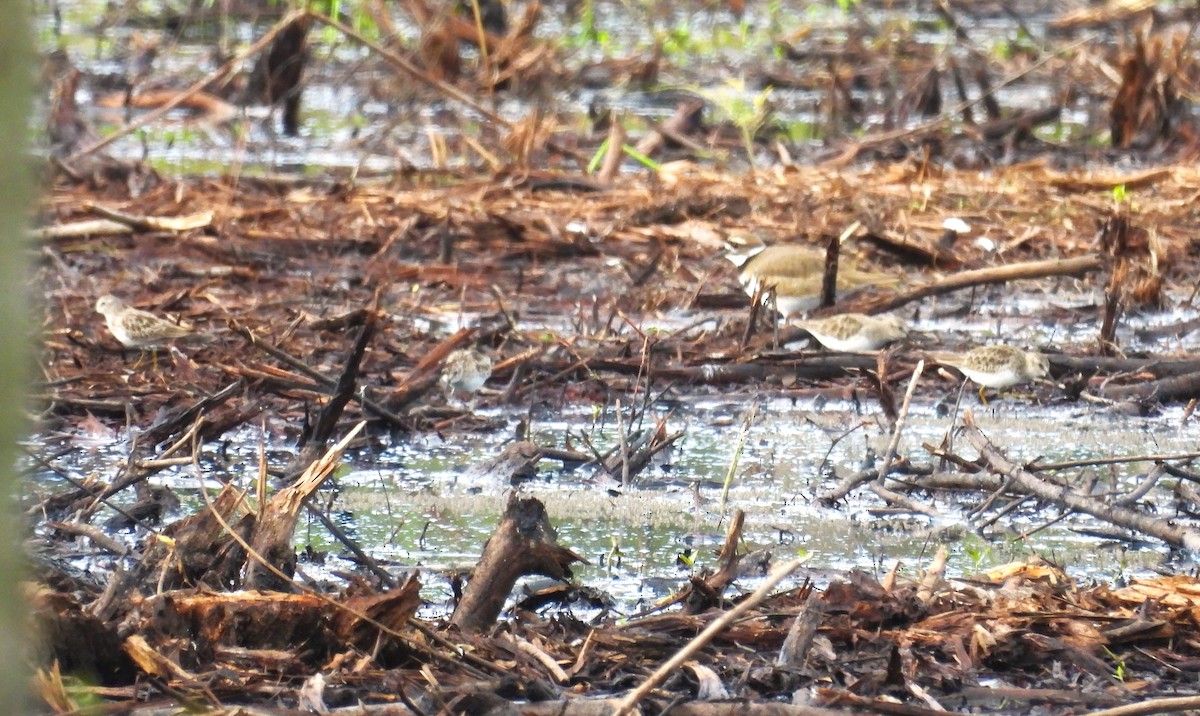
x: 361, y: 115
x: 406, y: 506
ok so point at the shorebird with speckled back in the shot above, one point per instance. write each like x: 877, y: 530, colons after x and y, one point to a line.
x: 999, y: 366
x: 855, y: 332
x: 794, y: 273
x: 135, y: 328
x: 465, y: 371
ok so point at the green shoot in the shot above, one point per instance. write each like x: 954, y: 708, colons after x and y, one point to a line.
x: 748, y: 114
x: 1120, y: 194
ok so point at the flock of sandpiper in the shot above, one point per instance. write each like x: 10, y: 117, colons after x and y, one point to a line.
x: 789, y: 275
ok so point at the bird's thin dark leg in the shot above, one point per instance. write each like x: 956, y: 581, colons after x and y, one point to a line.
x: 774, y: 321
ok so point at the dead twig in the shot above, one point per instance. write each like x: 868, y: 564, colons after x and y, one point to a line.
x: 703, y: 638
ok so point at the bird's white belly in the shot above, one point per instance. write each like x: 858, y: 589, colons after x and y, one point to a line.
x: 787, y: 306
x: 857, y: 343
x: 1004, y: 378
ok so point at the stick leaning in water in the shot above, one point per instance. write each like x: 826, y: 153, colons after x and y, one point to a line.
x: 629, y: 702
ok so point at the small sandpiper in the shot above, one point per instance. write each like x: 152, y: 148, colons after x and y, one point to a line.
x: 795, y: 273
x: 466, y: 370
x: 999, y: 366
x: 856, y: 332
x: 135, y: 328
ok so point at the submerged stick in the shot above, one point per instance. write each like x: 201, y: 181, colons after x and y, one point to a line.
x: 1063, y: 495
x: 876, y: 477
x: 877, y: 485
x: 901, y: 418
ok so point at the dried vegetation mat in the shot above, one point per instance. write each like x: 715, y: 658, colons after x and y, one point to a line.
x: 258, y: 269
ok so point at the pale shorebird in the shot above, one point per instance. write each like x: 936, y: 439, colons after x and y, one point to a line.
x: 465, y: 371
x: 135, y: 328
x: 999, y: 366
x: 793, y: 273
x: 855, y: 332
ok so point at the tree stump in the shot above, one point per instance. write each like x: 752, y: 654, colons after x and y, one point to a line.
x: 524, y: 543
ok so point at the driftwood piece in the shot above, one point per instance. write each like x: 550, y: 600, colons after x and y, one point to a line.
x: 1103, y: 364
x: 801, y: 634
x: 118, y: 223
x: 524, y: 543
x: 273, y: 560
x: 95, y: 534
x: 1176, y: 387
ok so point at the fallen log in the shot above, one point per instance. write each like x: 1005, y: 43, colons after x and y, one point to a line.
x: 1175, y: 387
